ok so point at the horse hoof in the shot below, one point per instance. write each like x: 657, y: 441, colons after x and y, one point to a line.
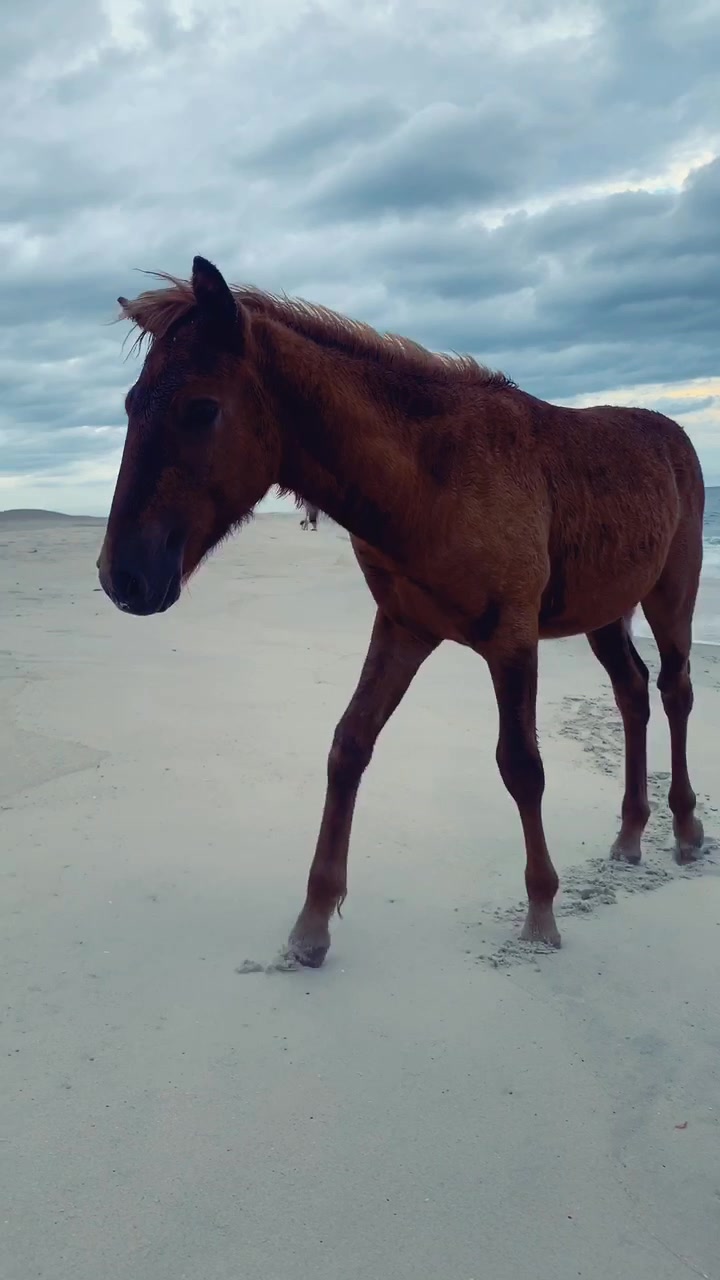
x: 689, y: 842
x: 309, y: 954
x: 309, y: 942
x: 624, y: 852
x: 540, y: 926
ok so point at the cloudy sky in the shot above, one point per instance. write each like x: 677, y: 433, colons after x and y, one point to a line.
x: 538, y: 184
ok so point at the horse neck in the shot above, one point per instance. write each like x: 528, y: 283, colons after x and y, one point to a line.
x: 340, y: 451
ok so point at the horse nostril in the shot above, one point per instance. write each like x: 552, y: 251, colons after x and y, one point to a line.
x: 128, y: 588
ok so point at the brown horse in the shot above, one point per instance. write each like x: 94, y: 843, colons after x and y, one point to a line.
x: 310, y: 519
x: 477, y: 513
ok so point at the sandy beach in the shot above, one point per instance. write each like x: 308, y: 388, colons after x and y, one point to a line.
x: 438, y: 1102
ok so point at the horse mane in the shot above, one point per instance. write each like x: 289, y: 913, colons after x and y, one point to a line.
x: 154, y: 312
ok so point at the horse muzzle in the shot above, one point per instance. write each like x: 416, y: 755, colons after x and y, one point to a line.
x: 142, y: 575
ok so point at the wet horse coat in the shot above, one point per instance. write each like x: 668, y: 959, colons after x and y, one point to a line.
x: 478, y: 513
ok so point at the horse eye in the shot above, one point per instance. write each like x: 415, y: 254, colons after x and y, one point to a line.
x: 198, y: 415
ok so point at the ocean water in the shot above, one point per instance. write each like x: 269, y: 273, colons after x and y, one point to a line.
x: 706, y: 625
x: 706, y: 628
x: 712, y: 532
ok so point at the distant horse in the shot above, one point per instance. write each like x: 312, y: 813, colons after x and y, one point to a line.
x: 310, y: 518
x: 477, y: 512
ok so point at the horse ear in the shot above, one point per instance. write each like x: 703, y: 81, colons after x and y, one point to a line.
x: 216, y: 303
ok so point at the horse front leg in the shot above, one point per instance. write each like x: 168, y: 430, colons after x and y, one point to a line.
x: 393, y: 659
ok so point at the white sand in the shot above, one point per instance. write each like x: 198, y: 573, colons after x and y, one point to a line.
x: 435, y: 1103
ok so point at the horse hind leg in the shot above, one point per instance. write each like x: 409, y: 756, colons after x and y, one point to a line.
x: 514, y: 676
x: 629, y: 677
x: 669, y: 610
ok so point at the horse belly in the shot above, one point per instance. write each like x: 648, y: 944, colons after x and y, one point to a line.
x: 427, y: 611
x: 586, y: 593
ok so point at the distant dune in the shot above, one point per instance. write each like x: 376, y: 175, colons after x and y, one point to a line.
x: 33, y: 515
